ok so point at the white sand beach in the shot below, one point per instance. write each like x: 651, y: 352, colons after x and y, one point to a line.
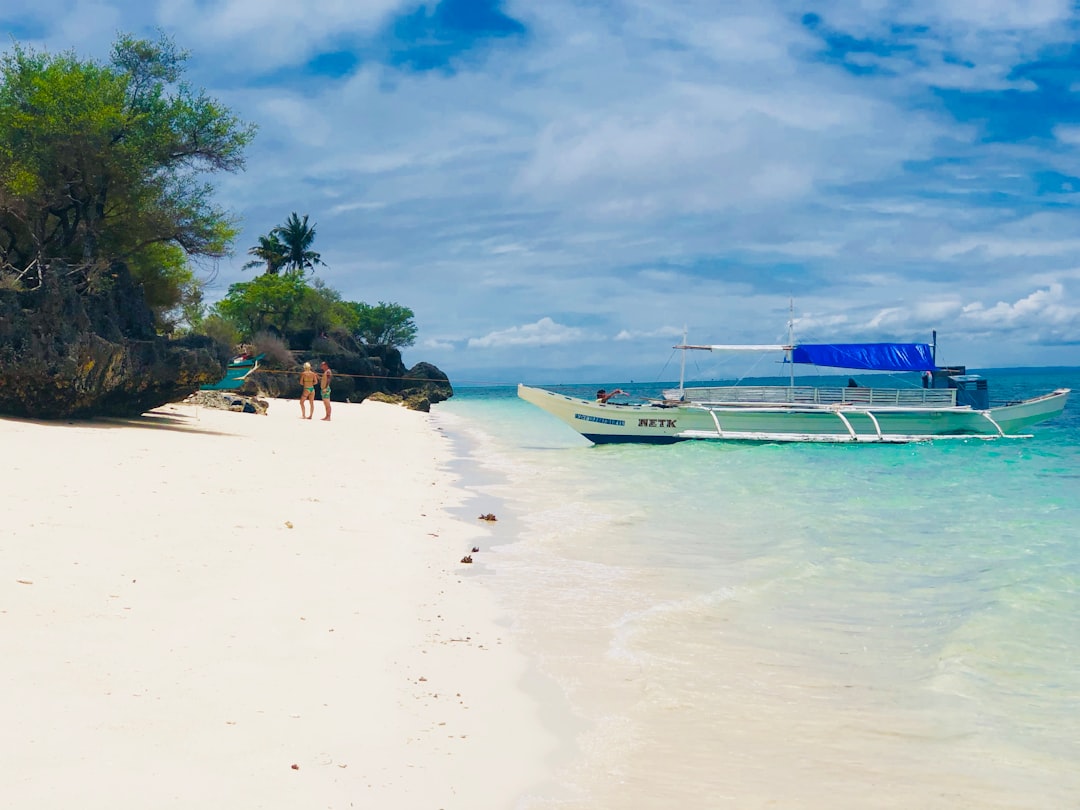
x: 210, y: 609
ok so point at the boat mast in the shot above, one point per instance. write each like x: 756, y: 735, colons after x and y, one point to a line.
x: 791, y: 340
x: 682, y: 366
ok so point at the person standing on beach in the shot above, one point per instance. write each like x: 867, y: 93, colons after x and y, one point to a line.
x: 327, y: 374
x: 308, y: 378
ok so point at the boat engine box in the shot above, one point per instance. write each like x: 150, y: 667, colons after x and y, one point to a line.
x: 971, y: 389
x: 942, y: 377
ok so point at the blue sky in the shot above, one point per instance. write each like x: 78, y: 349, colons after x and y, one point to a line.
x: 558, y: 188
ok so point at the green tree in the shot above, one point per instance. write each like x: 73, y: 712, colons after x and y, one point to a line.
x: 219, y: 329
x: 170, y: 286
x: 384, y: 324
x: 269, y: 253
x: 297, y: 237
x: 285, y: 304
x: 108, y: 162
x: 269, y: 302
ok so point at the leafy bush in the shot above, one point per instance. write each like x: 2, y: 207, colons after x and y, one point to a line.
x: 216, y: 327
x: 276, y: 350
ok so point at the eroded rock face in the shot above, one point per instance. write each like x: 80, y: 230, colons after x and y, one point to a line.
x: 65, y: 353
x: 424, y: 385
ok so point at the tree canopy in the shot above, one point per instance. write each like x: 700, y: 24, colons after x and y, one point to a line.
x: 285, y: 301
x: 384, y: 324
x: 286, y: 247
x: 297, y: 310
x: 290, y: 305
x: 101, y: 163
x: 269, y: 254
x: 108, y: 162
x: 297, y: 237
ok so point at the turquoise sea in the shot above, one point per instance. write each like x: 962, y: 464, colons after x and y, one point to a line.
x: 797, y: 626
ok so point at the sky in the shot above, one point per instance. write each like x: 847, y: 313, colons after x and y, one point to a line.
x: 559, y: 188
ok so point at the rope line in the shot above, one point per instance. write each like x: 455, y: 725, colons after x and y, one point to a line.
x: 492, y: 383
x: 342, y: 374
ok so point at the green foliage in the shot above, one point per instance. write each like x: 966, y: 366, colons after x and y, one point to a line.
x: 302, y: 312
x: 269, y: 254
x: 191, y: 310
x: 283, y: 303
x: 297, y: 238
x: 108, y: 162
x: 287, y: 247
x: 170, y: 286
x: 219, y: 329
x: 384, y: 324
x: 270, y: 301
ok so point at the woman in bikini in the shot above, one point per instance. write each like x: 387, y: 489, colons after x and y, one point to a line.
x: 308, y: 378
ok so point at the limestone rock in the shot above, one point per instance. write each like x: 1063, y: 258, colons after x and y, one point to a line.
x: 228, y: 401
x: 389, y: 399
x: 424, y: 385
x: 67, y: 353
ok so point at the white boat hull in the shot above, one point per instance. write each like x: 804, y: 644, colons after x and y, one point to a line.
x: 666, y: 423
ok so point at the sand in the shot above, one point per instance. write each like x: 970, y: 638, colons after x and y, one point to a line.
x: 209, y: 609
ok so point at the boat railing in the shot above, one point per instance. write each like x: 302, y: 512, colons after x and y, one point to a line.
x: 810, y: 395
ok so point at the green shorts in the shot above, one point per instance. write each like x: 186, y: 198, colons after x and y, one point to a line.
x: 326, y: 393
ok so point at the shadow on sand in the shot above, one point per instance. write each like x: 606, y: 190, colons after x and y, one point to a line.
x: 151, y: 420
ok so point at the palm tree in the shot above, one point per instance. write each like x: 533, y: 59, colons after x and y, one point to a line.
x: 269, y: 253
x: 296, y: 238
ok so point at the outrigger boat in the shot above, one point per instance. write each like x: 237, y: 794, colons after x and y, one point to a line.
x: 236, y: 373
x: 949, y: 404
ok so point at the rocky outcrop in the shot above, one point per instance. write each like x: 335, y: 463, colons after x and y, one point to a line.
x: 424, y: 385
x: 66, y: 352
x: 228, y: 401
x: 359, y: 372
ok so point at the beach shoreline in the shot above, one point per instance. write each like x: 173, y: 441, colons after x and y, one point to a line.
x: 706, y: 619
x: 257, y: 611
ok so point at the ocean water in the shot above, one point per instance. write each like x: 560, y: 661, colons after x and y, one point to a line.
x: 796, y: 626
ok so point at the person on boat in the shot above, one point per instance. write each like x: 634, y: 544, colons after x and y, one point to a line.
x: 308, y: 378
x: 324, y: 384
x: 603, y: 396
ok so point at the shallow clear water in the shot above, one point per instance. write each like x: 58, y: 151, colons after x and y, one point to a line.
x: 798, y: 625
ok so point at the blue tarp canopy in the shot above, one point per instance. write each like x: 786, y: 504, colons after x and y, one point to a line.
x: 869, y: 356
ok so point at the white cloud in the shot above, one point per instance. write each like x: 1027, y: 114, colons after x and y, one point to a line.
x: 999, y: 15
x: 262, y: 35
x: 1041, y: 308
x: 345, y: 208
x: 653, y: 163
x: 661, y: 332
x: 437, y: 345
x: 545, y: 332
x: 1067, y: 134
x: 993, y: 247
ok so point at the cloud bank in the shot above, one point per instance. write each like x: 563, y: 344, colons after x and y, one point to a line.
x: 558, y: 189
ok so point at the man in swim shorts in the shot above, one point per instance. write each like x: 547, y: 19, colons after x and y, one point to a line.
x: 327, y: 374
x: 308, y: 378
